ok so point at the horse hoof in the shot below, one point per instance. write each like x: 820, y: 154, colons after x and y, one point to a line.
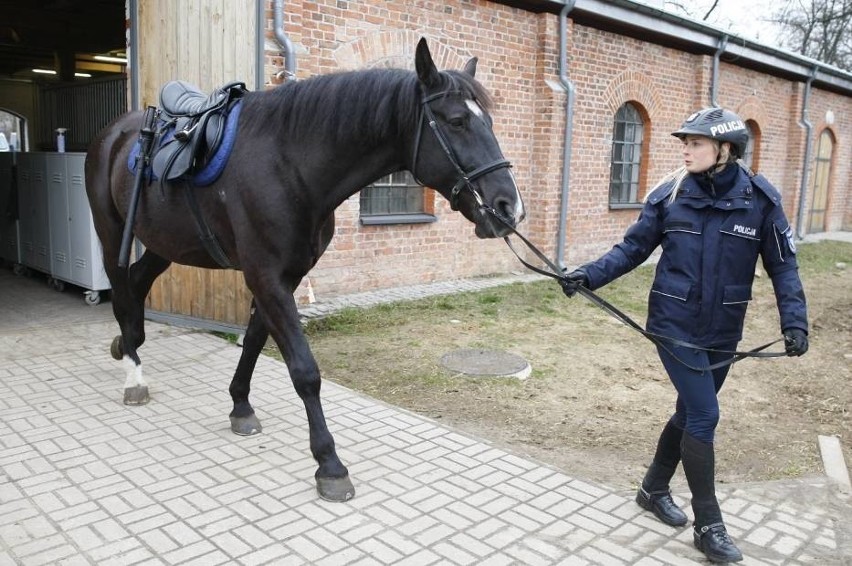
x: 115, y: 349
x: 246, y: 426
x: 335, y: 489
x: 136, y: 395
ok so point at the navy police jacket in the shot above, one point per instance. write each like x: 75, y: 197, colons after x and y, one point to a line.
x: 710, y: 247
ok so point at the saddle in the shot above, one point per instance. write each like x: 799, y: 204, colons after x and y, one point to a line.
x: 193, y: 127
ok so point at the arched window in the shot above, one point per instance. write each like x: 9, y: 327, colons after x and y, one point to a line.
x: 626, y: 162
x: 13, y: 126
x: 822, y: 176
x: 752, y: 153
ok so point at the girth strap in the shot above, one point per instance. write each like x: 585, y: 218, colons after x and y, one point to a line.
x: 208, y: 238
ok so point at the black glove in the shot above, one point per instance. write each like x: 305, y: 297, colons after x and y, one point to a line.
x: 573, y: 280
x: 795, y: 341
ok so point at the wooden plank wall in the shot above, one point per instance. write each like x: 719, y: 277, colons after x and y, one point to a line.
x: 207, y: 43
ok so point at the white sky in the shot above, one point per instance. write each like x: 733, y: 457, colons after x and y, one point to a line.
x: 740, y: 17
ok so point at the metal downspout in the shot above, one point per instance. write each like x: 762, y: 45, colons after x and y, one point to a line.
x: 805, y: 123
x: 283, y: 40
x: 260, y: 44
x: 714, y: 80
x: 569, y: 133
x: 133, y: 40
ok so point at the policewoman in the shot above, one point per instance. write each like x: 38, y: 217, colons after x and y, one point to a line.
x: 713, y: 218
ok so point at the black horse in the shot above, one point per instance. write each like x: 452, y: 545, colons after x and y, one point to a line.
x: 301, y: 150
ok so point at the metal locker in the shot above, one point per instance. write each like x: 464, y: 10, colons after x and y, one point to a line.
x: 58, y: 214
x: 10, y: 248
x: 41, y: 216
x: 26, y: 222
x: 57, y: 233
x: 87, y: 266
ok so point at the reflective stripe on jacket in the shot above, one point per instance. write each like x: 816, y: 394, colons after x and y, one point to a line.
x: 704, y: 277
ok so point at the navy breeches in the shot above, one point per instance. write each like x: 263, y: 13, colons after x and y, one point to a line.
x: 697, y: 407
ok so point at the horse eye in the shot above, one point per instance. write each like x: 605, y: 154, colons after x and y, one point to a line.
x: 458, y: 122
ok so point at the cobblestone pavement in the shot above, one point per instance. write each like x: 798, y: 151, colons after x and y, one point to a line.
x: 87, y: 480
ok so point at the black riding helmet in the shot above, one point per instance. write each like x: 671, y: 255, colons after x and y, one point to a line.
x: 718, y: 124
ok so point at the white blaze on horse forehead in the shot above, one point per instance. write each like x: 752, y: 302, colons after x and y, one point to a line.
x: 474, y: 107
x: 477, y: 111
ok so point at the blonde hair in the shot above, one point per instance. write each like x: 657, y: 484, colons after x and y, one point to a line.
x: 678, y: 175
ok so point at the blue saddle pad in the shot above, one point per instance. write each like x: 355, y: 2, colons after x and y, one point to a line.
x: 214, y: 167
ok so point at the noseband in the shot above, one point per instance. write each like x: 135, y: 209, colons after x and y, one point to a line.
x: 465, y: 179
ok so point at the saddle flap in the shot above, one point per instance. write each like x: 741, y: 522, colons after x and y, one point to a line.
x: 172, y: 160
x: 213, y: 131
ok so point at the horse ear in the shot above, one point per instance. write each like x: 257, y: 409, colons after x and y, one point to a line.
x: 470, y: 67
x: 426, y: 69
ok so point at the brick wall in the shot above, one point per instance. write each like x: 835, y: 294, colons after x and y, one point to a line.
x: 518, y: 53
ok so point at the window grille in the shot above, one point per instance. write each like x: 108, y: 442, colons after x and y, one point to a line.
x: 395, y: 199
x: 627, y: 137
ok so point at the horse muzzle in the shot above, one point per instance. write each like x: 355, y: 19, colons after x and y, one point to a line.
x: 498, y: 221
x: 502, y: 214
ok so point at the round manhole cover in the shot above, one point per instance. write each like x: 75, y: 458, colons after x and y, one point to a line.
x: 492, y: 363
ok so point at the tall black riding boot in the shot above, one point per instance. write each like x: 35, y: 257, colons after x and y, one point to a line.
x: 709, y: 534
x: 654, y: 494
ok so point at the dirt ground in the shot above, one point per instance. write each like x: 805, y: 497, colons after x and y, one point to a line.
x: 598, y: 397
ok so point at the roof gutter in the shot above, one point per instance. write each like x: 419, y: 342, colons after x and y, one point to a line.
x: 664, y: 28
x: 714, y: 81
x: 808, y: 126
x: 283, y: 40
x: 569, y: 133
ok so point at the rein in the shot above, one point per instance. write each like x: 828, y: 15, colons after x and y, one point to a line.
x: 662, y: 342
x: 465, y: 182
x: 465, y: 178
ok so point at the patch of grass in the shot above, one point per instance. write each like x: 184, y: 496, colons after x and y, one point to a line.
x: 230, y: 337
x: 346, y: 320
x: 499, y: 313
x: 791, y: 470
x: 537, y: 300
x: 823, y: 257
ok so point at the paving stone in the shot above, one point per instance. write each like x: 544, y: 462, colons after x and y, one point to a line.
x: 86, y: 480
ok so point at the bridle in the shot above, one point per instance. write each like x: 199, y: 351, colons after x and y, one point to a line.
x: 466, y: 178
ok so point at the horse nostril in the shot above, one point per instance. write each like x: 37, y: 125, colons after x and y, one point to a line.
x: 506, y: 208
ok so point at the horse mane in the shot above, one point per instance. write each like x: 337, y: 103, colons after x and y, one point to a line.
x: 372, y: 104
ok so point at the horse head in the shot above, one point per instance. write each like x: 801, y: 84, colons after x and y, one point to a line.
x: 456, y: 152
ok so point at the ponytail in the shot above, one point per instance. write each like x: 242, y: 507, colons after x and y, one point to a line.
x: 677, y: 176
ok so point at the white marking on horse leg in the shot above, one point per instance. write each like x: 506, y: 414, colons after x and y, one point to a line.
x: 134, y: 374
